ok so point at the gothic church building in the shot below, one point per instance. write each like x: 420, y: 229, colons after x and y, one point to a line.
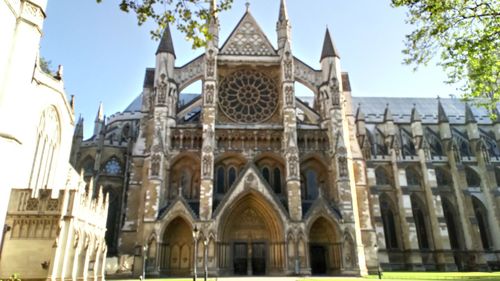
x: 276, y: 184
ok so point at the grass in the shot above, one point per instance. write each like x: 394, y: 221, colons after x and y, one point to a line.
x: 392, y: 276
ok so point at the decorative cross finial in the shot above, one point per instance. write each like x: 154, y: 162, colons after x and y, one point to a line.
x: 248, y: 5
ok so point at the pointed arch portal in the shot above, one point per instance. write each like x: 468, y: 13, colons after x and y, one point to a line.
x: 176, y: 256
x: 252, y: 239
x: 324, y: 247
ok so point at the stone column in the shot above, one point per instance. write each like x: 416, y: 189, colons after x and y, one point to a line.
x: 209, y: 113
x: 413, y: 259
x: 439, y: 229
x: 465, y: 210
x: 290, y: 147
x: 383, y: 256
x: 97, y: 262
x: 86, y: 263
x: 488, y: 187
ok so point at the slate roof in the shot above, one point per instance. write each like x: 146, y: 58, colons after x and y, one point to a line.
x: 373, y: 109
x: 136, y: 104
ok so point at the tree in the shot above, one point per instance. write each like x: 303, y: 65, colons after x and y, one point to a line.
x: 189, y: 16
x: 466, y: 35
x: 46, y: 66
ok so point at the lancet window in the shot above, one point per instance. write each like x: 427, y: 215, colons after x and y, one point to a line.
x: 482, y: 222
x: 389, y: 222
x: 419, y: 216
x: 47, y: 143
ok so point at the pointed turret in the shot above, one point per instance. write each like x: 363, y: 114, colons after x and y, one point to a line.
x: 444, y: 125
x: 360, y: 125
x: 329, y: 49
x: 166, y: 44
x: 283, y: 26
x: 360, y: 116
x: 442, y: 118
x: 416, y: 127
x: 79, y: 128
x: 469, y: 115
x: 388, y: 114
x: 99, y: 119
x: 77, y: 141
x: 415, y: 116
x: 471, y: 123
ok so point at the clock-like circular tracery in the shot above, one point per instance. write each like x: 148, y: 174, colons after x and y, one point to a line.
x: 248, y: 96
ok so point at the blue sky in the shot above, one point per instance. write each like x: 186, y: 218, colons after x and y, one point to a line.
x: 104, y: 52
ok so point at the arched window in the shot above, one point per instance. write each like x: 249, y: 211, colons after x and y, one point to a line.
x: 220, y: 180
x: 125, y: 133
x: 88, y: 167
x: 277, y: 180
x: 380, y: 146
x: 231, y: 177
x: 451, y: 224
x: 311, y: 184
x: 420, y: 222
x: 408, y: 145
x: 473, y: 179
x: 482, y: 222
x: 434, y: 143
x: 47, y: 143
x: 412, y: 176
x: 389, y: 223
x: 266, y: 174
x: 270, y: 169
x: 184, y: 176
x: 442, y: 177
x: 465, y: 148
x: 185, y: 183
x: 381, y: 176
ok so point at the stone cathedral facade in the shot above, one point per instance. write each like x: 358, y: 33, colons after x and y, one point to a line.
x: 277, y: 184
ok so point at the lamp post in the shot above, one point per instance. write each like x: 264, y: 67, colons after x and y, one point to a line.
x: 195, y: 238
x: 144, y: 251
x: 205, y: 255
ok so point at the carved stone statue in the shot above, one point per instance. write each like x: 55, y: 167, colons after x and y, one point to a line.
x: 209, y: 94
x: 207, y: 165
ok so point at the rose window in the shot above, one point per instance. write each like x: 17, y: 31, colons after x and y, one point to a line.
x: 248, y: 96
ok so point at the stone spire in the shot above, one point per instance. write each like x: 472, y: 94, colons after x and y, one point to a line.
x: 166, y: 44
x: 283, y: 16
x: 329, y: 49
x: 100, y: 113
x: 99, y: 120
x: 469, y: 115
x: 442, y: 118
x: 283, y: 26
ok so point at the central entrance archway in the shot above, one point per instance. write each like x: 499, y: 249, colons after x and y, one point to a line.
x: 252, y: 240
